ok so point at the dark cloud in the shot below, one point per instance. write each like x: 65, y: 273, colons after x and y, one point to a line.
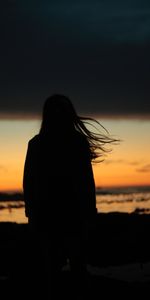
x: 122, y: 161
x: 96, y: 52
x: 3, y: 168
x: 144, y: 169
x: 134, y: 163
x: 114, y: 161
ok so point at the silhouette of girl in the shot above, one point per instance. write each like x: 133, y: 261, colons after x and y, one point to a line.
x: 58, y: 183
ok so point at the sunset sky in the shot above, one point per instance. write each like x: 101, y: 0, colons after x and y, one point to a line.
x: 127, y: 164
x: 96, y: 53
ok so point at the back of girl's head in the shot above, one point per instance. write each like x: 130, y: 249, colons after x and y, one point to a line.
x: 60, y: 118
x: 58, y: 111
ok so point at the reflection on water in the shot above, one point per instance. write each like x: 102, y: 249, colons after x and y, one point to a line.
x: 107, y: 201
x: 124, y: 202
x: 12, y: 211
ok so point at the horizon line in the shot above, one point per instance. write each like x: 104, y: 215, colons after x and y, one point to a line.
x: 19, y: 191
x: 29, y: 116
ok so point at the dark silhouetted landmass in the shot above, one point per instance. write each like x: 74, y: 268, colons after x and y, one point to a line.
x: 11, y: 196
x: 118, y: 239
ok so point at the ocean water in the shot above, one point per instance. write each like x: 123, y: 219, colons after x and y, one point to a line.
x: 127, y: 200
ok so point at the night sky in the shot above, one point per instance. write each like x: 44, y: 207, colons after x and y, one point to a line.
x: 95, y: 52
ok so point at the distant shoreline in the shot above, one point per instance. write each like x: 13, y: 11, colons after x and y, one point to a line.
x: 18, y: 195
x: 15, y: 196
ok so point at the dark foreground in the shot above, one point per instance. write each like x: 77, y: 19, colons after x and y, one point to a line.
x: 118, y: 240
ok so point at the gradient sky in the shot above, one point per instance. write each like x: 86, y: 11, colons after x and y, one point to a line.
x: 127, y: 164
x: 95, y: 52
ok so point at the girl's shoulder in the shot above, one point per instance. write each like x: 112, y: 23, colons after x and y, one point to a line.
x: 34, y: 142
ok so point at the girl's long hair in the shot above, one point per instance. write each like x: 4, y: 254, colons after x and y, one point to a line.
x: 60, y: 107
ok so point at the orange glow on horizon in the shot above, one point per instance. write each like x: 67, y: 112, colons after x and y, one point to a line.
x: 127, y: 165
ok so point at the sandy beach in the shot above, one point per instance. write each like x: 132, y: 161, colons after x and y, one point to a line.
x: 118, y: 259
